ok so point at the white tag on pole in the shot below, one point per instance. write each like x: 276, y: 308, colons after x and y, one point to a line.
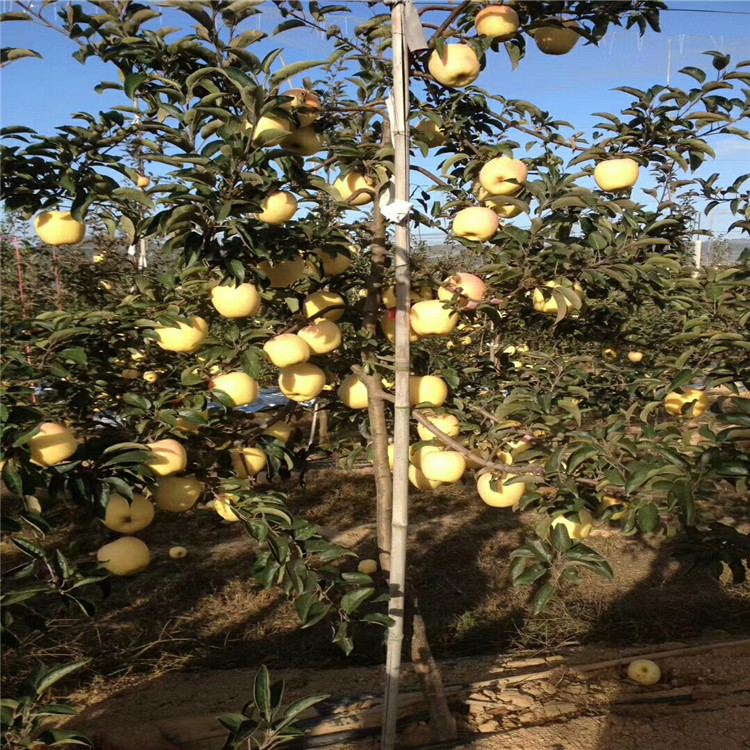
x: 393, y: 210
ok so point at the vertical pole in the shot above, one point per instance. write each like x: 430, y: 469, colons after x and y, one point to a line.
x: 397, y: 581
x: 58, y: 286
x: 22, y: 298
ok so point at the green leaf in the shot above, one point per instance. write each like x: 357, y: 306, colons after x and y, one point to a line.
x: 647, y: 517
x: 47, y: 679
x: 542, y: 598
x: 352, y: 600
x: 294, y: 69
x: 262, y: 692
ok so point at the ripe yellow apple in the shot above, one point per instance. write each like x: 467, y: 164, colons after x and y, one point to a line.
x: 125, y: 556
x: 183, y: 337
x: 499, y: 204
x: 505, y: 496
x: 368, y: 567
x: 53, y: 444
x: 177, y: 494
x: 302, y: 382
x: 303, y: 141
x: 177, y: 553
x: 98, y: 257
x: 279, y: 430
x: 431, y: 134
x: 267, y: 123
x: 388, y: 295
x: 304, y: 104
x: 125, y: 517
x: 315, y: 303
x: 350, y: 184
x: 239, y: 386
x: 150, y: 376
x: 170, y: 457
x: 427, y: 389
x: 552, y: 40
x: 236, y: 301
x: 443, y: 466
x: 432, y: 318
x: 286, y: 349
x: 447, y: 423
x: 142, y: 181
x: 322, y: 337
x: 353, y: 392
x: 644, y: 671
x: 187, y: 426
x: 496, y: 175
x: 467, y: 285
x: 616, y: 174
x: 417, y: 455
x: 457, y: 67
x: 388, y: 326
x: 475, y: 223
x: 284, y: 273
x: 420, y: 481
x: 277, y: 208
x: 635, y: 356
x: 577, y: 529
x: 674, y: 402
x: 608, y: 501
x: 549, y: 306
x: 610, y: 353
x: 223, y: 506
x: 59, y: 228
x: 247, y: 462
x: 497, y: 21
x: 334, y: 264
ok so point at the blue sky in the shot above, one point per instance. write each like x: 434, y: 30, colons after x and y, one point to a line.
x: 43, y: 93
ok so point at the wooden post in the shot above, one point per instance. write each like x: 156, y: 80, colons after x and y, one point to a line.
x: 399, y: 520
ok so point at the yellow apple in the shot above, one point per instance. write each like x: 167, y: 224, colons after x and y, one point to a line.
x: 183, y: 337
x: 303, y: 141
x: 674, y: 402
x: 431, y: 134
x: 467, y: 285
x: 125, y: 517
x: 236, y: 301
x: 420, y: 481
x: 577, y: 529
x: 302, y: 382
x: 350, y: 184
x: 266, y: 124
x: 499, y: 204
x: 177, y: 494
x: 388, y: 295
x: 635, y: 356
x: 457, y: 67
x: 239, y: 386
x: 644, y: 672
x: 353, y: 392
x: 247, y: 462
x: 427, y: 389
x: 610, y: 353
x: 150, y: 376
x: 316, y: 303
x: 552, y: 40
x: 304, y: 104
x: 187, y: 426
x: 334, y: 264
x: 496, y: 175
x: 388, y: 326
x: 279, y: 430
x: 475, y: 223
x: 104, y: 284
x: 169, y: 457
x: 417, y: 455
x: 432, y: 318
x: 284, y: 273
x: 277, y: 208
x: 549, y: 306
x: 142, y: 181
x: 608, y: 501
x: 497, y: 21
x: 223, y: 506
x: 177, y: 553
x: 447, y: 423
x: 53, y: 444
x: 368, y: 567
x: 616, y: 174
x: 125, y: 556
x: 505, y: 496
x: 444, y: 466
x: 286, y: 349
x: 59, y: 228
x: 322, y: 337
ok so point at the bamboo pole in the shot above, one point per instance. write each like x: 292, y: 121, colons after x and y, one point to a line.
x: 22, y: 298
x: 402, y: 411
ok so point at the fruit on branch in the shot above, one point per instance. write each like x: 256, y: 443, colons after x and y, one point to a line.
x: 286, y: 349
x: 279, y: 430
x: 616, y: 174
x: 128, y: 517
x: 184, y: 423
x: 150, y: 376
x: 578, y: 525
x: 549, y: 306
x: 353, y: 392
x: 553, y: 40
x: 303, y: 142
x: 388, y: 326
x: 130, y: 374
x: 417, y: 455
x: 284, y: 273
x: 177, y: 552
x: 447, y: 423
x: 427, y: 389
x: 506, y: 495
x: 277, y: 208
x: 223, y: 506
x: 322, y: 337
x: 476, y: 223
x: 334, y: 264
x: 184, y: 337
x: 265, y: 125
x: 368, y: 567
x: 607, y: 502
x: 469, y: 286
x: 142, y: 181
x: 349, y: 184
x: 635, y: 357
x: 170, y: 457
x: 247, y: 462
x: 499, y: 204
x: 420, y: 481
x: 644, y: 671
x: 675, y: 402
x: 388, y: 295
x: 496, y: 175
x: 59, y: 228
x: 323, y: 305
x: 177, y: 494
x: 497, y: 21
x: 236, y: 301
x: 430, y: 133
x: 302, y: 382
x: 457, y: 67
x: 443, y: 466
x: 239, y: 386
x: 432, y: 318
x: 125, y: 556
x: 304, y: 104
x: 53, y: 444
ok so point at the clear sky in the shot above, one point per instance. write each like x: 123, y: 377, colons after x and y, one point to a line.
x: 43, y: 93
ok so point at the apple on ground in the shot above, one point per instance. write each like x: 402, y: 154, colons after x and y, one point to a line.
x: 59, y: 228
x: 239, y: 386
x: 236, y: 301
x: 177, y: 552
x: 302, y: 382
x: 177, y: 494
x: 125, y: 556
x: 53, y: 444
x: 183, y: 337
x: 476, y: 223
x: 170, y: 457
x: 457, y: 67
x: 128, y: 517
x: 150, y: 376
x: 644, y: 671
x: 287, y: 349
x: 635, y: 357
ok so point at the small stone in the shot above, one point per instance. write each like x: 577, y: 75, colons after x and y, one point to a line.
x: 488, y: 726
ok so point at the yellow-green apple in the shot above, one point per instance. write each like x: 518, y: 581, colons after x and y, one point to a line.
x: 368, y: 567
x: 150, y: 376
x: 610, y: 353
x: 608, y: 501
x: 578, y: 528
x: 286, y: 349
x: 430, y: 133
x: 469, y: 287
x: 184, y: 337
x: 53, y: 444
x: 499, y: 204
x: 142, y: 181
x: 279, y: 430
x: 351, y: 183
x: 124, y: 557
x: 316, y: 306
x: 476, y: 223
x: 506, y: 495
x: 496, y: 175
x: 59, y: 228
x: 277, y: 208
x: 553, y: 40
x: 675, y: 401
x: 388, y: 326
x: 177, y: 494
x: 427, y: 389
x: 177, y: 552
x: 303, y: 141
x: 432, y: 318
x: 635, y: 356
x: 284, y: 273
x: 388, y: 296
x: 130, y: 374
x: 128, y: 517
x: 447, y: 423
x: 420, y: 481
x: 497, y: 21
x: 334, y: 264
x: 170, y: 457
x: 268, y: 123
x: 304, y: 104
x: 239, y: 386
x: 223, y: 506
x: 444, y: 466
x: 353, y: 392
x: 322, y: 337
x: 247, y: 462
x: 644, y: 671
x: 616, y: 174
x: 302, y: 382
x: 236, y: 301
x: 457, y: 67
x: 549, y: 306
x: 417, y: 455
